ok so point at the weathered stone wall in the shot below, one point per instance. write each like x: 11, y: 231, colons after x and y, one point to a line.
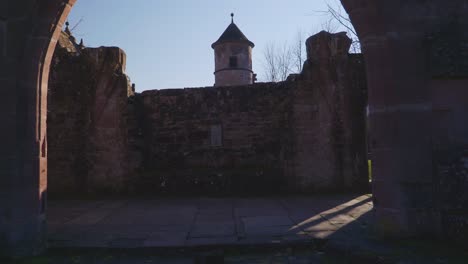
x: 416, y: 55
x: 450, y: 148
x: 88, y: 120
x: 307, y: 134
x: 28, y: 33
x: 226, y: 139
x: 70, y: 100
x: 329, y: 122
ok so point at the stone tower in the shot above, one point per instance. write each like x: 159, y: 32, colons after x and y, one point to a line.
x: 233, y: 58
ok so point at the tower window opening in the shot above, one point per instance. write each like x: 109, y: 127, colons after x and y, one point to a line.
x: 233, y: 61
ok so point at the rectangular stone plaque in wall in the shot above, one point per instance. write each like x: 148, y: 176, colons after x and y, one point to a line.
x: 448, y: 52
x: 216, y: 136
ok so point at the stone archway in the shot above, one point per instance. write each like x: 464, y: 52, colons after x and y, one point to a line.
x: 399, y: 112
x: 409, y: 86
x: 28, y: 34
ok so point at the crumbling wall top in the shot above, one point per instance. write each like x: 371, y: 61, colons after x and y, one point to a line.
x: 324, y: 45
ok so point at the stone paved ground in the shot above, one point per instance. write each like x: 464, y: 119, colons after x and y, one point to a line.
x: 421, y: 253
x: 194, y: 222
x: 259, y: 258
x: 315, y: 229
x: 278, y: 256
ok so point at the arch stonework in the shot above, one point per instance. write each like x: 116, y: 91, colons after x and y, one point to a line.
x: 392, y: 34
x: 395, y: 37
x: 28, y: 35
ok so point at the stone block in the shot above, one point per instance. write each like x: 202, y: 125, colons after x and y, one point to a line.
x: 166, y: 239
x: 387, y: 194
x: 202, y: 229
x: 392, y: 222
x: 400, y: 165
x: 16, y: 34
x: 325, y: 45
x: 209, y: 241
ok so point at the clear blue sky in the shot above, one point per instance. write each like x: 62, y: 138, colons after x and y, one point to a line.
x: 168, y: 42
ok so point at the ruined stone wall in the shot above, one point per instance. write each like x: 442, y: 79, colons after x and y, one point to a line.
x: 447, y: 54
x: 226, y: 139
x: 68, y: 122
x: 329, y: 123
x: 88, y: 120
x: 307, y: 134
x: 450, y: 150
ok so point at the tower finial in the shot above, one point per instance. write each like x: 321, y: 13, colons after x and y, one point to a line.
x: 232, y: 18
x: 67, y: 30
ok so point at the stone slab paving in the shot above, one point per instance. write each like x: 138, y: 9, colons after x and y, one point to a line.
x: 193, y: 222
x: 265, y: 257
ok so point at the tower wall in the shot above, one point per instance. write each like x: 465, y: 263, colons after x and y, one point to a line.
x: 227, y: 74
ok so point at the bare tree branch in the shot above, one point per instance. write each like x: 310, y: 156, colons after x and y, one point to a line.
x: 338, y: 16
x: 344, y: 21
x: 271, y: 71
x: 284, y: 60
x: 76, y: 25
x: 278, y: 62
x: 298, y: 51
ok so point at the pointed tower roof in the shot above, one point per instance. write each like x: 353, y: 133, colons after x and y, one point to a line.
x: 233, y: 34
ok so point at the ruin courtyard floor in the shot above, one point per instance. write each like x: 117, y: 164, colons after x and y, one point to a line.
x: 289, y: 227
x: 192, y: 222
